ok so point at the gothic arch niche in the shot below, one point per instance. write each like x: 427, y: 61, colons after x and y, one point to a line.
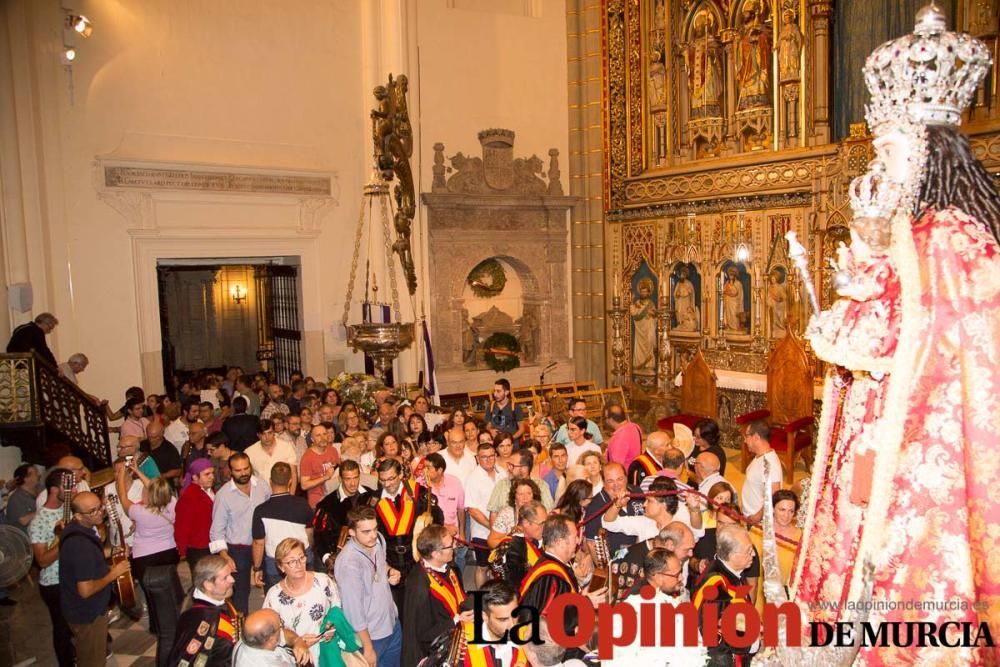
x: 517, y: 309
x: 704, y: 64
x: 498, y: 207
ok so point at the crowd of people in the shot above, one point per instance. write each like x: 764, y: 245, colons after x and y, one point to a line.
x: 363, y: 529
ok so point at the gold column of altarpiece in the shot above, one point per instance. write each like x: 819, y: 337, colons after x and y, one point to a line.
x: 717, y: 142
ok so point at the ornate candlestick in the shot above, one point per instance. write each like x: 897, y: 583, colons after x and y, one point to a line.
x: 664, y: 368
x: 617, y: 314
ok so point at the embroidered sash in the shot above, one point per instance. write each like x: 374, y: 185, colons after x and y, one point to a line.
x: 648, y: 464
x: 397, y: 523
x: 546, y: 568
x: 448, y: 592
x: 479, y: 655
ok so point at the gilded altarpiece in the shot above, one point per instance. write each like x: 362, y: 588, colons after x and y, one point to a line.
x: 718, y: 141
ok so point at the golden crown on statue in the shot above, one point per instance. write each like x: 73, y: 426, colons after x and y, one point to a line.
x: 927, y: 77
x: 872, y: 194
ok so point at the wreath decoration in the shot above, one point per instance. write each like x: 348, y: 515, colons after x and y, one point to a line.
x: 502, y: 352
x: 487, y: 279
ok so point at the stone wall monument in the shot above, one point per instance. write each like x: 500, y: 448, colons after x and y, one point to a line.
x: 514, y: 210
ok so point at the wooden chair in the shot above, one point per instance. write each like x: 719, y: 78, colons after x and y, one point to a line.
x: 615, y: 395
x: 699, y: 395
x: 589, y: 385
x: 479, y: 402
x: 789, y: 404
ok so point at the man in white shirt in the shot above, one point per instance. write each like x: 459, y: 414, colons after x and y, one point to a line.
x: 664, y: 573
x: 706, y: 466
x: 177, y: 431
x: 660, y: 511
x: 478, y: 489
x: 757, y: 437
x: 268, y: 450
x: 460, y: 461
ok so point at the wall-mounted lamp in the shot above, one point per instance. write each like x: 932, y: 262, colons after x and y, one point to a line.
x: 238, y: 292
x: 68, y: 54
x: 79, y: 24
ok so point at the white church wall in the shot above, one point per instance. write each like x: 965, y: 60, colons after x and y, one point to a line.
x: 224, y: 84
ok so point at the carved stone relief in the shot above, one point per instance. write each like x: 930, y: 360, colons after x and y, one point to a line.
x: 495, y: 205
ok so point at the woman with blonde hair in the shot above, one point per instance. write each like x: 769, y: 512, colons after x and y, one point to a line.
x: 304, y: 600
x: 154, y: 552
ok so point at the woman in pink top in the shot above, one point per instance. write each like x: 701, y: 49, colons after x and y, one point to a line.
x: 154, y: 554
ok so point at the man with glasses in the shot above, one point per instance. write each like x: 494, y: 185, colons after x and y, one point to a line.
x: 398, y: 508
x: 523, y: 547
x: 663, y: 573
x: 519, y: 468
x: 478, y: 489
x: 578, y: 408
x: 434, y: 594
x: 733, y: 555
x: 85, y: 580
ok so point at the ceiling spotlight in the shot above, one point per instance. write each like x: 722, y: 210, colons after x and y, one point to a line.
x: 68, y: 55
x: 80, y: 24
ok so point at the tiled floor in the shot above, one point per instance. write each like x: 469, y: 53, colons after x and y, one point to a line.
x: 31, y: 631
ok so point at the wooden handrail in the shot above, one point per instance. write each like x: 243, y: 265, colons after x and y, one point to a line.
x: 34, y: 394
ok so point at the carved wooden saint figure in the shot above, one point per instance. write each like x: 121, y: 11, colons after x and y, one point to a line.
x: 685, y: 306
x: 754, y: 58
x: 789, y: 48
x: 732, y: 302
x: 703, y: 60
x: 643, y: 312
x: 777, y: 302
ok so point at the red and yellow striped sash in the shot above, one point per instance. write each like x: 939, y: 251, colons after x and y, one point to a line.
x: 449, y: 593
x: 477, y: 655
x: 397, y: 524
x: 546, y: 568
x: 534, y: 553
x: 713, y: 581
x: 648, y: 464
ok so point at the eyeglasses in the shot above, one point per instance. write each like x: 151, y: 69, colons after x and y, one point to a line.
x: 289, y: 562
x: 445, y: 548
x: 93, y: 511
x: 388, y: 480
x: 486, y: 457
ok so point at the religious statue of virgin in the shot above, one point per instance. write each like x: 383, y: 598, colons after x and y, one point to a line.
x: 909, y: 423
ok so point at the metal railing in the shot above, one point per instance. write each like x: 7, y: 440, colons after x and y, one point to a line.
x: 33, y: 394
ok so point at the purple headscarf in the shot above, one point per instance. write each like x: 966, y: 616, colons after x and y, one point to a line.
x: 196, y: 468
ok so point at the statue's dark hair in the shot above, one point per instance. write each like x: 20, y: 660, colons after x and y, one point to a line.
x: 956, y: 178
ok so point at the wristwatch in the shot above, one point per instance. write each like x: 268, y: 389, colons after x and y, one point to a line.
x: 255, y: 568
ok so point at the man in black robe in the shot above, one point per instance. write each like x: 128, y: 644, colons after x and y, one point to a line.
x: 722, y: 584
x: 519, y: 552
x: 553, y: 575
x: 435, y: 596
x: 31, y: 336
x: 398, y: 508
x: 331, y: 512
x: 208, y: 630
